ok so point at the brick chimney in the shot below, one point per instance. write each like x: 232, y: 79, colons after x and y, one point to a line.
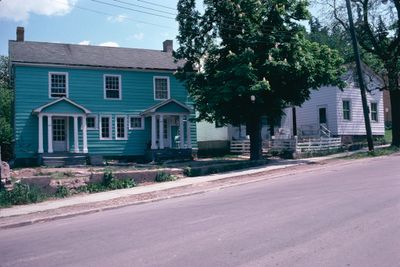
x: 168, y: 46
x: 20, y: 34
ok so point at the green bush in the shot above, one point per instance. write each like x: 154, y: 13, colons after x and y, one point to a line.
x: 21, y: 194
x: 164, y: 177
x: 62, y: 192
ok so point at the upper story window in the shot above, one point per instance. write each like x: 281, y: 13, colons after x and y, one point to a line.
x: 374, y: 112
x: 58, y: 84
x: 161, y: 88
x: 346, y: 110
x: 112, y: 86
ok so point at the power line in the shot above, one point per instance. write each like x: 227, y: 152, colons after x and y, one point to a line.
x: 154, y: 4
x: 131, y: 9
x: 109, y: 14
x: 144, y: 7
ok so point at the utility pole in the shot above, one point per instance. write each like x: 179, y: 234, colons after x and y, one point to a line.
x: 360, y: 78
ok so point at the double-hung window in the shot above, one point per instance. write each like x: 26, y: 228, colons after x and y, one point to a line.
x: 161, y: 88
x: 105, y: 128
x: 136, y: 123
x: 58, y: 84
x: 346, y: 110
x: 374, y: 111
x: 112, y: 86
x: 120, y: 128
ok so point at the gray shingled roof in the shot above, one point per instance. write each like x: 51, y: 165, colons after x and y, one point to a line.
x: 89, y: 55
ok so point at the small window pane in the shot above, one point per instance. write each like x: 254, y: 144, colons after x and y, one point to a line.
x: 136, y: 122
x: 91, y: 122
x: 58, y: 85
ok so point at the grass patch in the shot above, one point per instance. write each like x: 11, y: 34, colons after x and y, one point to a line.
x: 21, y: 194
x: 388, y: 136
x: 376, y: 153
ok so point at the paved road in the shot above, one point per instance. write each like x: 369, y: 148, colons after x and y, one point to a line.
x: 342, y: 215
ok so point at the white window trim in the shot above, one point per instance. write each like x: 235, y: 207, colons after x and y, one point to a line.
x: 66, y: 83
x: 377, y: 111
x: 119, y: 84
x: 168, y: 87
x: 125, y: 126
x: 136, y: 128
x: 96, y: 122
x: 109, y: 127
x: 350, y: 107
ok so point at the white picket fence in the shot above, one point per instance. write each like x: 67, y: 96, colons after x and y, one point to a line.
x: 304, y: 145
x: 319, y: 144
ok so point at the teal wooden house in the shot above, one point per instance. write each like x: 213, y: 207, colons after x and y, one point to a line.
x: 92, y: 100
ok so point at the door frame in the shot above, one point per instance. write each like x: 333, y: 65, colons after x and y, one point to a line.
x: 66, y: 119
x: 326, y: 114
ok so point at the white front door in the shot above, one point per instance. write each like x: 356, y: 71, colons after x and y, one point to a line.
x: 59, y: 134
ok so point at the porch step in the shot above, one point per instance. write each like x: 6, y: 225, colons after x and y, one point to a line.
x: 60, y: 160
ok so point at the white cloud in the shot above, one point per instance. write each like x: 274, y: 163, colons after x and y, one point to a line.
x: 119, y: 18
x: 19, y: 10
x: 138, y: 36
x: 110, y: 44
x: 84, y: 42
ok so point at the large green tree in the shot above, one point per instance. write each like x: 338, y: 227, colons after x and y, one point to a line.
x: 246, y: 59
x: 6, y: 100
x: 377, y: 25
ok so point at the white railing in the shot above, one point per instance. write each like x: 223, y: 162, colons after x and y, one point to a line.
x: 294, y: 144
x: 320, y: 144
x: 240, y: 146
x: 324, y: 131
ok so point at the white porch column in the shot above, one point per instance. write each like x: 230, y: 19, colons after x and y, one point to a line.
x: 49, y: 134
x: 188, y: 137
x: 76, y: 144
x: 153, y: 132
x: 161, y: 133
x: 84, y: 134
x: 181, y: 132
x: 40, y: 134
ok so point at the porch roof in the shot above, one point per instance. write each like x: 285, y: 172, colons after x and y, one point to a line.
x: 62, y: 105
x: 167, y: 106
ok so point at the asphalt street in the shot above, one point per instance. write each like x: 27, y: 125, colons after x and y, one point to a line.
x: 341, y: 215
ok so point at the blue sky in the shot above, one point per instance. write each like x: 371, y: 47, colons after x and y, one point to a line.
x: 89, y: 22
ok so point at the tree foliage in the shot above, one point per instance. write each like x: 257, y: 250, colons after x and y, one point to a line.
x: 377, y: 25
x: 6, y: 100
x: 249, y: 58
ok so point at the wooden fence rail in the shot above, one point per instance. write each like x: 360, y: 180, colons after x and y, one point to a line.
x: 304, y: 145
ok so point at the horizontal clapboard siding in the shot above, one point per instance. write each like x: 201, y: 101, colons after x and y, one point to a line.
x: 86, y: 87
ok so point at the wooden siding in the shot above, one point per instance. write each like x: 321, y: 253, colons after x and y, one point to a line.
x: 308, y: 114
x: 63, y: 107
x: 86, y: 88
x: 356, y: 124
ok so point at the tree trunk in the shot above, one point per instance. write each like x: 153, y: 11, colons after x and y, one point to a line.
x: 254, y: 126
x: 394, y: 91
x: 395, y: 104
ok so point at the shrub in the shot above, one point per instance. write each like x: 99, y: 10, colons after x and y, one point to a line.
x: 62, y: 192
x: 164, y: 177
x: 21, y: 194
